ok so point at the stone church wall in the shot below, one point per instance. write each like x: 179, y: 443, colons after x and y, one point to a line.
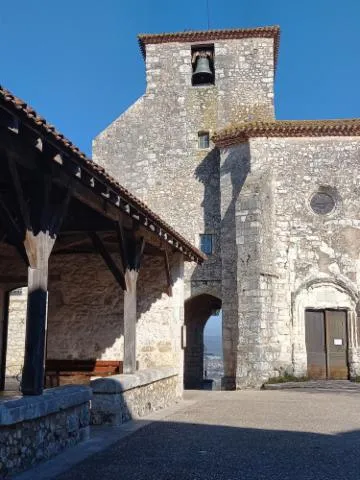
x: 247, y: 277
x: 153, y: 147
x: 86, y: 312
x: 284, y: 250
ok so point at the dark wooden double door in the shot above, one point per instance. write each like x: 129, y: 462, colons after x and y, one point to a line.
x: 326, y: 344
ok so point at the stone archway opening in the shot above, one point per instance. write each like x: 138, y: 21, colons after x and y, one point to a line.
x: 198, y: 310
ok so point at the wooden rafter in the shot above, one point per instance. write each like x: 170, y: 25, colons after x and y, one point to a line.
x: 140, y: 245
x: 32, y: 149
x: 24, y: 209
x: 13, y: 230
x: 114, y: 269
x: 122, y: 244
x: 168, y: 273
x: 61, y: 210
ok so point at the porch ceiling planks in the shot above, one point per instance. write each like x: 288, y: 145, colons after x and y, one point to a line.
x: 35, y: 144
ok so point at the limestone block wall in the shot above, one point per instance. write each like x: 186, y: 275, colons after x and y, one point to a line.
x: 16, y: 332
x: 314, y: 251
x: 288, y: 258
x: 12, y: 268
x: 85, y: 317
x: 86, y: 311
x: 120, y: 398
x: 153, y: 147
x: 34, y: 429
x: 247, y: 273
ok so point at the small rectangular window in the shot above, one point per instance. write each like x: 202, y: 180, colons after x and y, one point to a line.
x: 206, y: 243
x: 203, y: 140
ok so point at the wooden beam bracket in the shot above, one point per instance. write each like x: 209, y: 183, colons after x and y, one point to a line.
x: 114, y: 269
x: 170, y: 282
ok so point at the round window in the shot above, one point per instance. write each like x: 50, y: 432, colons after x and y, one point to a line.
x: 322, y: 203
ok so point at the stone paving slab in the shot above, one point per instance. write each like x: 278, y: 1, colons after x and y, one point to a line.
x: 299, y: 434
x: 333, y: 385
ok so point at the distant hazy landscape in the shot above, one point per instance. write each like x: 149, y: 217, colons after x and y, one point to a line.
x: 213, y: 345
x: 213, y: 355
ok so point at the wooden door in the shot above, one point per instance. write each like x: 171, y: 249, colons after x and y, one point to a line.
x: 315, y: 343
x: 336, y: 344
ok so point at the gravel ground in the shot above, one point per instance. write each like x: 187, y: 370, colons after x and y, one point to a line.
x: 299, y: 434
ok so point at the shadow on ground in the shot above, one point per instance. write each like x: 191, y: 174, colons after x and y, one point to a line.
x: 171, y: 450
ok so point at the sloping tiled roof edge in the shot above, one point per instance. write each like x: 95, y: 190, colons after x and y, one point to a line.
x: 212, y: 35
x: 287, y: 128
x: 29, y: 116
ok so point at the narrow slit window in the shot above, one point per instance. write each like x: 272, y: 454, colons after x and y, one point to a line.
x: 203, y: 140
x: 206, y: 243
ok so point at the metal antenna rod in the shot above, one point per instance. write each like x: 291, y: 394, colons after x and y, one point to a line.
x: 208, y: 14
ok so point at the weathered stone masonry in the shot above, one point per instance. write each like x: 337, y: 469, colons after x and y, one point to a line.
x: 274, y: 257
x: 153, y: 146
x: 37, y: 428
x: 288, y: 257
x: 86, y: 321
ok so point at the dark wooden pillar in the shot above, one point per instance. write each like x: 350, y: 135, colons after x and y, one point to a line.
x: 131, y: 250
x: 130, y: 299
x: 38, y: 249
x: 34, y: 228
x: 4, y: 316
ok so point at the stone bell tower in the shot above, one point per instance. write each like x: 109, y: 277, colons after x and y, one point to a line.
x: 161, y: 149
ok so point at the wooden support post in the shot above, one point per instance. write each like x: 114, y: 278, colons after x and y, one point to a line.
x: 132, y: 250
x: 130, y: 321
x: 38, y: 249
x: 168, y: 273
x: 4, y: 317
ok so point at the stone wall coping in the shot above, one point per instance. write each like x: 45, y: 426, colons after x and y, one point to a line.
x: 121, y: 383
x: 22, y: 408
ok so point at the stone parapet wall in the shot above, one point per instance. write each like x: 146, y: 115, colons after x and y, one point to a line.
x: 33, y: 429
x: 120, y: 398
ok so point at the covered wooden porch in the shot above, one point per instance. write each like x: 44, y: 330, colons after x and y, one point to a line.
x: 55, y: 203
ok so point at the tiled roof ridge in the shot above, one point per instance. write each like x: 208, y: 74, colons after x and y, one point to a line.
x: 241, y: 132
x: 271, y: 31
x: 39, y: 123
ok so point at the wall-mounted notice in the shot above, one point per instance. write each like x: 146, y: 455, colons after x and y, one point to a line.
x: 337, y: 341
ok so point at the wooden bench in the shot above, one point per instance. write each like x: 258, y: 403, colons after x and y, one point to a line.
x: 63, y: 372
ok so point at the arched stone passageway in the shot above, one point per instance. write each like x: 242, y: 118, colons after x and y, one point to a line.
x: 198, y: 309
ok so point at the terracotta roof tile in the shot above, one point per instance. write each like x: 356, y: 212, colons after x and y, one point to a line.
x: 212, y: 35
x: 29, y: 115
x: 241, y: 132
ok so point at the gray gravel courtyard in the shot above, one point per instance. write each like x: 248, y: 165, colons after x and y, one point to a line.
x: 299, y: 434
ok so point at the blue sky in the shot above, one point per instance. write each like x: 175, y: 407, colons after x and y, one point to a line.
x: 78, y: 63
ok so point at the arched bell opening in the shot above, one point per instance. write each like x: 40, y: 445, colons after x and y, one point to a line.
x: 198, y: 310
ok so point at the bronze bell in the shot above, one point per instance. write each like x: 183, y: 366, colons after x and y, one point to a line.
x: 202, y: 73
